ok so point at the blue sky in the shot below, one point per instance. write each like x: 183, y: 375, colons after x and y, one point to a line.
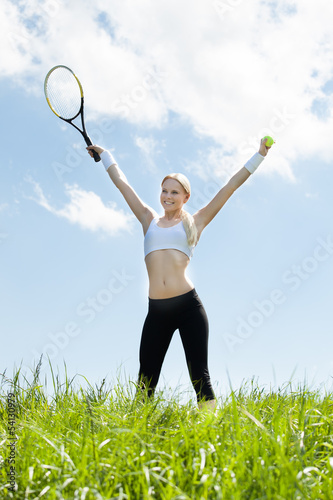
x: 189, y: 88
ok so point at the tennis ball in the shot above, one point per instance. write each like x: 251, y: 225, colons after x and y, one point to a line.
x: 270, y: 141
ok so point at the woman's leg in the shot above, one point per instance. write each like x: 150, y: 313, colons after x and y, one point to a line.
x: 193, y: 330
x: 208, y: 406
x: 156, y: 336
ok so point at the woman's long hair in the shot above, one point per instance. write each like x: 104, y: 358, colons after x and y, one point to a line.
x: 186, y: 217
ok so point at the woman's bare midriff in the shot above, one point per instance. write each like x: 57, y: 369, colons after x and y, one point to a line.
x: 166, y: 272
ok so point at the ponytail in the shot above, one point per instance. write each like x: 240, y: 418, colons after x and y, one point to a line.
x: 190, y: 227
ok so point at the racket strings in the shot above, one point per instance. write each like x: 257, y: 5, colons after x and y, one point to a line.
x: 63, y: 93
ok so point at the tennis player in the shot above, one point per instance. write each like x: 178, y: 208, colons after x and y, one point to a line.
x: 169, y: 241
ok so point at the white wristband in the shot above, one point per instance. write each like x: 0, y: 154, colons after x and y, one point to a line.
x: 254, y: 162
x: 107, y: 159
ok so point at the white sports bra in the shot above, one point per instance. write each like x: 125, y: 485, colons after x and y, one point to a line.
x: 162, y: 238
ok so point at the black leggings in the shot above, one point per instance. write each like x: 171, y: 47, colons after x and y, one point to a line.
x: 186, y: 313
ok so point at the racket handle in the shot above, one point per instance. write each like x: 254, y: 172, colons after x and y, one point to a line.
x: 96, y: 156
x: 89, y: 143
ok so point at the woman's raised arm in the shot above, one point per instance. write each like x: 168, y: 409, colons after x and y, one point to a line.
x: 142, y: 212
x: 206, y: 214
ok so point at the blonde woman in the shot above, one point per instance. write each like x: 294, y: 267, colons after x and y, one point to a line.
x: 169, y: 241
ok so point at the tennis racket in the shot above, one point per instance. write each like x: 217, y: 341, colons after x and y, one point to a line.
x: 64, y: 94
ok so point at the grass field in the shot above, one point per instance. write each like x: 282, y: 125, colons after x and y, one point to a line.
x: 103, y: 443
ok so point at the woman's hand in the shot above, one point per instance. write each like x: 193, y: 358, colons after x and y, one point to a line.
x: 96, y: 148
x: 263, y: 149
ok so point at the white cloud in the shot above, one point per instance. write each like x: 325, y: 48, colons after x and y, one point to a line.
x: 87, y: 210
x: 3, y: 206
x: 216, y: 164
x: 233, y: 71
x: 312, y: 196
x: 149, y: 148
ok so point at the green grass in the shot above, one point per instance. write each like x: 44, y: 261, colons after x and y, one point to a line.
x: 103, y: 443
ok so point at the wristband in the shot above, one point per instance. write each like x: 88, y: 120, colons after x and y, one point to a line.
x: 107, y: 159
x: 254, y: 162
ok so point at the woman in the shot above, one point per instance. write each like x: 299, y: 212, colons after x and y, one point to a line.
x: 168, y: 244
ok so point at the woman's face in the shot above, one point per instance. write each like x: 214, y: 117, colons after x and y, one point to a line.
x: 173, y: 195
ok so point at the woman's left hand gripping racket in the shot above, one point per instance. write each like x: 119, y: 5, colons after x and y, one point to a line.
x: 64, y: 95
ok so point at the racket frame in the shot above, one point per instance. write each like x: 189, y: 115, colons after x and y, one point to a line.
x: 83, y: 132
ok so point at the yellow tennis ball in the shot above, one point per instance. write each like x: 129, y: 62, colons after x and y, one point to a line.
x: 270, y: 141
